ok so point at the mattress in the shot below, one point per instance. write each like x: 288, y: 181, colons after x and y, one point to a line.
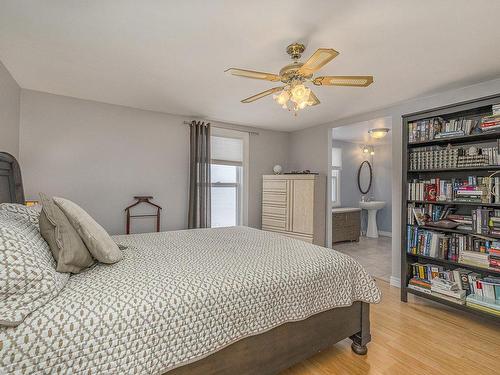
x: 177, y: 297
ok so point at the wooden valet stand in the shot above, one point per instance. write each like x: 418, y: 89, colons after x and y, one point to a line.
x: 143, y: 199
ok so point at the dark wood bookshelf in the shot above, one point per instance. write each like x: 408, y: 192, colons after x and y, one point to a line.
x: 472, y: 109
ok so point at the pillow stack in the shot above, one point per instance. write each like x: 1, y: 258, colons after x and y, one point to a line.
x: 39, y: 248
x: 68, y: 249
x: 98, y: 241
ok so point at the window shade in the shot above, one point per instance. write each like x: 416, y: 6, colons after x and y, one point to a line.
x: 227, y: 150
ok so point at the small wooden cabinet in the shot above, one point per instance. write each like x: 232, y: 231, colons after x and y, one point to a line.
x: 294, y: 205
x: 346, y: 224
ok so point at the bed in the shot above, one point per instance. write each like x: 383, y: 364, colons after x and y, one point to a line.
x: 207, y: 301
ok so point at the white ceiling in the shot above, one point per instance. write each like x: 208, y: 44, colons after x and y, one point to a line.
x: 358, y: 132
x: 170, y: 56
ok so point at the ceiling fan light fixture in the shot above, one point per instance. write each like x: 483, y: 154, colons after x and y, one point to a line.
x: 378, y: 133
x: 300, y: 93
x: 282, y: 97
x: 294, y: 95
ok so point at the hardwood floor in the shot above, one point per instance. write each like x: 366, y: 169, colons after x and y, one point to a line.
x: 418, y: 337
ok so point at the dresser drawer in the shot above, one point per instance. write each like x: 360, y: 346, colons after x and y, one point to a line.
x: 274, y: 198
x: 269, y: 210
x: 274, y: 185
x: 273, y: 222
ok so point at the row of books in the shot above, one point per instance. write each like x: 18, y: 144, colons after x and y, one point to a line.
x: 490, y: 122
x: 459, y: 285
x: 471, y: 189
x: 433, y: 158
x: 455, y: 247
x: 485, y: 221
x: 436, y: 244
x: 437, y: 127
x: 436, y: 157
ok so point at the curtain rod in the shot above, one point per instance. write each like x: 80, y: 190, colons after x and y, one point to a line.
x: 228, y: 128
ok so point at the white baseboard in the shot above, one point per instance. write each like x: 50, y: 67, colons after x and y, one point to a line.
x: 384, y: 234
x: 395, y: 281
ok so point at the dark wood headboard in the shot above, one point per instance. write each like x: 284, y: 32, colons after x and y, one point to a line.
x: 11, y: 183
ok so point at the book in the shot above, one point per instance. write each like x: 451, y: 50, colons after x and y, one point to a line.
x: 419, y: 216
x: 483, y: 308
x: 483, y: 301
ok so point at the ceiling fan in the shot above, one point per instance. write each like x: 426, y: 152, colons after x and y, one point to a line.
x: 294, y: 95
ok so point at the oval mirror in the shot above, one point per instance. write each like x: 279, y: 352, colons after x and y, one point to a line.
x: 365, y: 177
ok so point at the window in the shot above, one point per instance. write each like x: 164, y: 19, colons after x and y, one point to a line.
x: 226, y: 195
x: 336, y: 168
x: 228, y: 177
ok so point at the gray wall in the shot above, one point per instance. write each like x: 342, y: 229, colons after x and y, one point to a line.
x: 9, y: 112
x: 381, y: 188
x: 310, y: 148
x: 101, y: 155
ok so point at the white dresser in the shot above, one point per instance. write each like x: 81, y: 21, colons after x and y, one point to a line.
x: 294, y: 205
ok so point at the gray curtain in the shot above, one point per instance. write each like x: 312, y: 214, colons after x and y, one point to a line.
x: 199, y: 176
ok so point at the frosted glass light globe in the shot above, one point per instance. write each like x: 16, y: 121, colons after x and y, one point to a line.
x: 299, y: 92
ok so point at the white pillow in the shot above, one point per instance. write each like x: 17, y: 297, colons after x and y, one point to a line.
x: 98, y: 241
x: 28, y: 278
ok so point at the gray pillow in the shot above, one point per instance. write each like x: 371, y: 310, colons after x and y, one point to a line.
x: 98, y: 241
x: 28, y: 278
x: 68, y: 249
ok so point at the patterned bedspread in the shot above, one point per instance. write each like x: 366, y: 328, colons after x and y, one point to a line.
x: 177, y: 297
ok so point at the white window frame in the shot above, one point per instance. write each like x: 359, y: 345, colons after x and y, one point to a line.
x: 242, y: 188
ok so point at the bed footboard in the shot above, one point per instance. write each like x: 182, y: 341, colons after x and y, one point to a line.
x: 288, y: 344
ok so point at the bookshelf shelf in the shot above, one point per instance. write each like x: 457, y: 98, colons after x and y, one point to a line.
x: 492, y: 168
x: 458, y: 231
x: 477, y: 312
x: 476, y: 138
x: 450, y: 118
x: 455, y: 203
x: 455, y: 264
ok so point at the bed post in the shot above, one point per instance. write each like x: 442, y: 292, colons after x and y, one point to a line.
x: 363, y: 337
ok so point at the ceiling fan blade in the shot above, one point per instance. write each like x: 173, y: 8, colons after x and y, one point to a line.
x: 262, y: 94
x: 253, y: 74
x: 313, y: 98
x: 320, y: 58
x: 356, y: 81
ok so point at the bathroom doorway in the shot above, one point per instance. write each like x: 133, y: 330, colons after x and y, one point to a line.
x: 361, y: 193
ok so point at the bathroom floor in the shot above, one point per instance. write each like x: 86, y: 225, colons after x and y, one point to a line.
x: 373, y: 253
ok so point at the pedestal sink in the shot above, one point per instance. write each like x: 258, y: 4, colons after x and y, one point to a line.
x: 372, y: 207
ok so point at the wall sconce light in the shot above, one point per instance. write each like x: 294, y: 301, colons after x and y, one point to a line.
x: 368, y: 150
x: 378, y: 133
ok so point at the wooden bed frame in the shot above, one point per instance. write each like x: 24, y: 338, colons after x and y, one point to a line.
x: 267, y: 353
